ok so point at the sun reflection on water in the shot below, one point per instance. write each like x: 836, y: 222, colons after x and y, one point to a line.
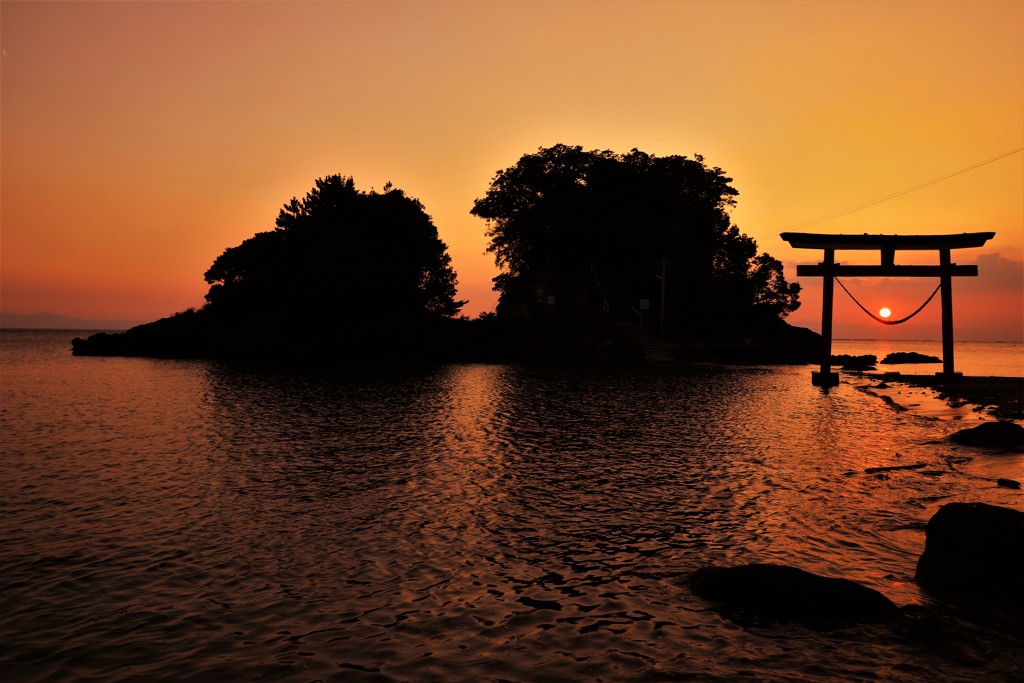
x: 458, y: 522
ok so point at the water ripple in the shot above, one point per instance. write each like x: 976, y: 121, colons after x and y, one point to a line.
x: 173, y: 520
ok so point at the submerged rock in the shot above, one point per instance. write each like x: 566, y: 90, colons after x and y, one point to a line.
x: 1002, y: 434
x: 974, y: 550
x: 892, y: 468
x: 773, y: 592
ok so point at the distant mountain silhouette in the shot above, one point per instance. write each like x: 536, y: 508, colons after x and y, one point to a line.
x: 55, y: 321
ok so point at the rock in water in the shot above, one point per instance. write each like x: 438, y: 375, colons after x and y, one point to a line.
x: 997, y: 434
x: 864, y: 362
x: 974, y: 550
x: 909, y: 357
x: 775, y: 592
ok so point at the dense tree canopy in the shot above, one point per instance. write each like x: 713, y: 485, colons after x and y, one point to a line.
x: 607, y: 221
x: 339, y: 254
x: 346, y: 276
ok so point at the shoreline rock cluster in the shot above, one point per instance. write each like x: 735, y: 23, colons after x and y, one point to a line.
x: 868, y: 361
x: 974, y: 554
x: 1003, y: 397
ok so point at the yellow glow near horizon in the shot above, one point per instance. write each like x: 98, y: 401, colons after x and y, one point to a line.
x: 884, y: 313
x: 130, y: 163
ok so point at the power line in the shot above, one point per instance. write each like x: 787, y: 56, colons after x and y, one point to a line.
x: 920, y: 185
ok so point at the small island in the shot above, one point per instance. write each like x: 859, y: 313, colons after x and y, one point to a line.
x: 603, y: 257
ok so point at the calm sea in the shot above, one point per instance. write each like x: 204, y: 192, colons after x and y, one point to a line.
x: 977, y: 359
x: 182, y: 520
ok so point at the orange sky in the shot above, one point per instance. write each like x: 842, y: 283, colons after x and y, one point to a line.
x: 139, y: 140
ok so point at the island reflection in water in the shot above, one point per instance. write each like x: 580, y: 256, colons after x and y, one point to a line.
x: 192, y: 520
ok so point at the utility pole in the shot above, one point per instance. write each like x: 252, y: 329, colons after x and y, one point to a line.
x: 664, y: 272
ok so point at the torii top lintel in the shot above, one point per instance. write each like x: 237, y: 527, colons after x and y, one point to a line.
x: 887, y: 246
x: 807, y: 240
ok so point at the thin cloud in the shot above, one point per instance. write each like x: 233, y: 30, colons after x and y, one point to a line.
x: 996, y: 273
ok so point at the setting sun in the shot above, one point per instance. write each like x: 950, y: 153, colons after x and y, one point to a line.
x: 884, y: 313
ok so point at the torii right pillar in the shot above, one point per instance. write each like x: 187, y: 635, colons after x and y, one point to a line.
x: 946, y: 298
x: 887, y: 246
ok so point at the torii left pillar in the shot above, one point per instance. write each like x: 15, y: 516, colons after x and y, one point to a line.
x: 825, y: 377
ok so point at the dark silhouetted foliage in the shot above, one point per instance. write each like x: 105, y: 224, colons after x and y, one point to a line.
x: 339, y: 252
x: 345, y: 276
x: 595, y: 226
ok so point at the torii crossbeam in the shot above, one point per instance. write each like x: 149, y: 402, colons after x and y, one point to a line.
x: 887, y: 246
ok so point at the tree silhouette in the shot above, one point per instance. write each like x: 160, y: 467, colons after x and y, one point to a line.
x: 346, y: 275
x: 608, y: 220
x: 339, y: 254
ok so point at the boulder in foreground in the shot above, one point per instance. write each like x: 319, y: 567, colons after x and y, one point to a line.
x: 974, y: 550
x: 1002, y: 434
x: 771, y: 592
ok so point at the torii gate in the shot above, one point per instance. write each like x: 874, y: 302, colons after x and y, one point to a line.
x: 887, y: 245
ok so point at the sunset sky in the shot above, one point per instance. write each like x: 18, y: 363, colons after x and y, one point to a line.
x: 141, y: 139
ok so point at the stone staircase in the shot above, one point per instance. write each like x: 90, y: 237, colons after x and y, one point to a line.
x: 648, y: 341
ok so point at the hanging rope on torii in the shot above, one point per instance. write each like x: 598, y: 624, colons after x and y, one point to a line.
x: 887, y: 245
x: 883, y: 320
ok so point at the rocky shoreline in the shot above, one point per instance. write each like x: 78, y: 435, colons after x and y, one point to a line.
x: 972, y: 558
x: 1002, y: 397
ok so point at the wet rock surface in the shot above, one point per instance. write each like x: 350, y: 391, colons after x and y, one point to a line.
x: 975, y: 551
x: 1002, y: 434
x: 849, y: 362
x: 909, y: 357
x: 1003, y: 397
x: 770, y: 592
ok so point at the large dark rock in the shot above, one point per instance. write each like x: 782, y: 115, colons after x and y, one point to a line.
x: 772, y: 592
x: 909, y: 357
x: 848, y: 362
x: 974, y: 550
x: 1002, y: 434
